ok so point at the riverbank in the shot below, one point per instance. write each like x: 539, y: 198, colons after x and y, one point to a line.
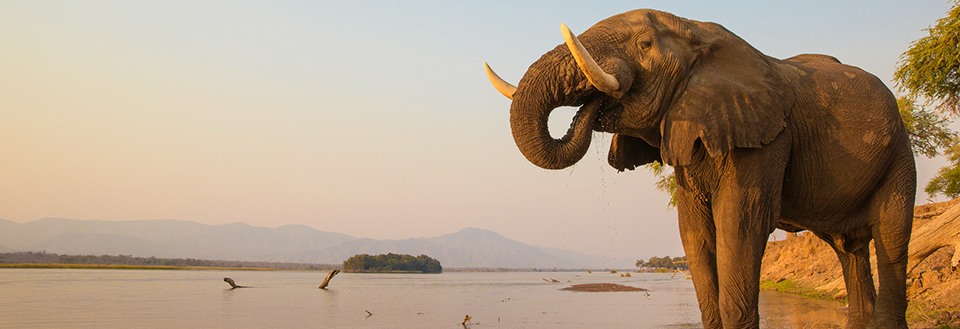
x: 804, y: 265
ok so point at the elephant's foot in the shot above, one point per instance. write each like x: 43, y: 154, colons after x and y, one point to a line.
x: 854, y: 323
x: 886, y: 321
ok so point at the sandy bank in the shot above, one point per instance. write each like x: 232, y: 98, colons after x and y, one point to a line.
x: 805, y: 265
x: 601, y: 287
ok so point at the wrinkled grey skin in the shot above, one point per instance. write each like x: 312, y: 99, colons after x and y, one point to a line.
x: 756, y: 142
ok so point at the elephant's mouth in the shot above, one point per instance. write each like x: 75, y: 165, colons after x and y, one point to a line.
x: 608, y: 119
x: 608, y: 115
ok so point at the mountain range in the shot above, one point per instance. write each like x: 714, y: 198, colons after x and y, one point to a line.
x: 470, y: 247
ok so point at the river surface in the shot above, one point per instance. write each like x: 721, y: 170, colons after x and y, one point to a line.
x: 79, y: 298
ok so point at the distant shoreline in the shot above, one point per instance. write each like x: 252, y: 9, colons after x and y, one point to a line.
x: 28, y: 259
x: 223, y: 268
x: 135, y: 267
x: 127, y: 262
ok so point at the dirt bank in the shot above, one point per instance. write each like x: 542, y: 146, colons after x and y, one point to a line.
x: 804, y: 264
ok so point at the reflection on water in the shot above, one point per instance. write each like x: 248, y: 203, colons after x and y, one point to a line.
x: 779, y: 310
x: 54, y: 298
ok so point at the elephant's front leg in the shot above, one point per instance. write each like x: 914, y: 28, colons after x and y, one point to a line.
x: 746, y: 205
x: 742, y: 231
x: 699, y: 243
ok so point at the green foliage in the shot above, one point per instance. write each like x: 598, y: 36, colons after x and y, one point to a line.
x: 665, y: 182
x: 947, y: 180
x: 928, y: 135
x: 392, y: 263
x: 665, y: 262
x: 927, y: 129
x: 931, y: 67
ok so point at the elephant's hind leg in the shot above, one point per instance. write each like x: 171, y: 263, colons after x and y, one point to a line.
x: 891, y: 234
x: 854, y: 255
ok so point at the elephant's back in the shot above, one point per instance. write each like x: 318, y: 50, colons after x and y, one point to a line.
x: 807, y: 58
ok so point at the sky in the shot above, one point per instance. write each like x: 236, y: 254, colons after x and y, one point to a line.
x: 369, y: 118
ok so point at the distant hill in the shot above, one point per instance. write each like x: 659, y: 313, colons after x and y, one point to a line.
x: 469, y: 247
x: 168, y: 238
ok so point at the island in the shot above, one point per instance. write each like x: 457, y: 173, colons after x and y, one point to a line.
x: 391, y: 263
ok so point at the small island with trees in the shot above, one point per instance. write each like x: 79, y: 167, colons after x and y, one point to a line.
x: 663, y: 264
x: 391, y: 263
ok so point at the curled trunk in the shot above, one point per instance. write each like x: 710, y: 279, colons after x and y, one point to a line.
x: 551, y: 82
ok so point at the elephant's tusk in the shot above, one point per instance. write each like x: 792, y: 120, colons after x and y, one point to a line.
x: 604, y: 81
x: 502, y: 86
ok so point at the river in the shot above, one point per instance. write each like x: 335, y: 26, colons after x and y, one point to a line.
x: 82, y: 298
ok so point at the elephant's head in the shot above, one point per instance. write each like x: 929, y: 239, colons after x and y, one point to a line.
x: 667, y: 86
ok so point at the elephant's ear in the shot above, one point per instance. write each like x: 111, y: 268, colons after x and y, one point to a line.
x: 733, y: 97
x: 628, y: 152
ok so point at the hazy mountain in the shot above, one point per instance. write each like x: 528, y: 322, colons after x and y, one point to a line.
x: 168, y: 238
x: 588, y: 261
x: 490, y: 249
x: 469, y: 247
x: 5, y: 226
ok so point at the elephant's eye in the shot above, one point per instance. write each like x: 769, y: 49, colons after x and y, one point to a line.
x: 645, y: 44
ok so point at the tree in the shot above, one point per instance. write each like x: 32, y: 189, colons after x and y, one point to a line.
x: 927, y: 129
x: 665, y: 182
x: 931, y: 67
x: 947, y: 180
x: 665, y: 262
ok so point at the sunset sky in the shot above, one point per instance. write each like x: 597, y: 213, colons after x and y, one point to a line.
x: 369, y: 118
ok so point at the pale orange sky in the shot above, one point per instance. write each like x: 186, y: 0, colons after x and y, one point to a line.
x: 370, y: 119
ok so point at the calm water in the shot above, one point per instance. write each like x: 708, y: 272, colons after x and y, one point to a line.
x: 55, y: 298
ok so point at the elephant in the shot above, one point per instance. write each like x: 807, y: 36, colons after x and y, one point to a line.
x: 756, y: 143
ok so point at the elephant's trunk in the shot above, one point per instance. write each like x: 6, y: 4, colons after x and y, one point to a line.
x: 551, y: 82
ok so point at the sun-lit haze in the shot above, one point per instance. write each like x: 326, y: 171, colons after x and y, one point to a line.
x: 369, y: 118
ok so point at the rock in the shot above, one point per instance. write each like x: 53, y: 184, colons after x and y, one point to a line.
x: 930, y: 277
x: 945, y: 318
